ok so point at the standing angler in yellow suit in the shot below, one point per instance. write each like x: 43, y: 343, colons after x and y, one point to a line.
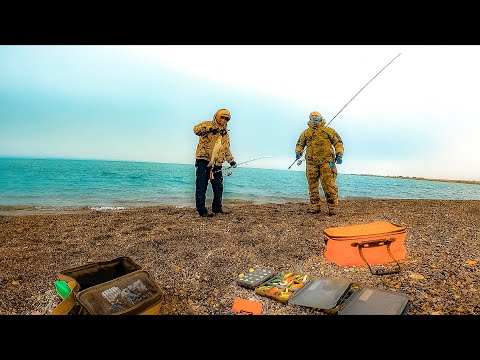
x: 213, y: 149
x: 324, y: 150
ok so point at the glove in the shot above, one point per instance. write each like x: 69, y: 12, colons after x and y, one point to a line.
x: 338, y: 159
x: 298, y: 155
x: 223, y: 132
x: 233, y: 164
x: 299, y: 162
x: 214, y: 130
x: 330, y: 164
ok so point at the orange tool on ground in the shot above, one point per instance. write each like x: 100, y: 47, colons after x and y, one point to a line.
x: 247, y: 307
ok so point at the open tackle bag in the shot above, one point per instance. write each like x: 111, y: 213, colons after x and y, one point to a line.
x: 375, y: 243
x: 114, y: 287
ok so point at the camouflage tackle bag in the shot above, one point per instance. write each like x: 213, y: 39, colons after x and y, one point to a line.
x: 114, y: 287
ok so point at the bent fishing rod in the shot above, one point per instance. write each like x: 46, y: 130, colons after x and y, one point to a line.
x: 354, y: 97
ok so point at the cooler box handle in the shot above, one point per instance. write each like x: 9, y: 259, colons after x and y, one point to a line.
x: 376, y: 243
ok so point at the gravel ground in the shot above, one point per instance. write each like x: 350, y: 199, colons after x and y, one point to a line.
x: 196, y: 261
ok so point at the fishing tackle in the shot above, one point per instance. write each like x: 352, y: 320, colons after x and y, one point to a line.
x: 353, y: 98
x: 244, y: 162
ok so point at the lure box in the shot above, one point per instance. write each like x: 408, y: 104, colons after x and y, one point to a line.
x: 282, y: 286
x: 254, y: 277
x: 371, y: 301
x: 323, y: 293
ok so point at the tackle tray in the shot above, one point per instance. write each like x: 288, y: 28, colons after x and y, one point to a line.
x: 371, y: 301
x: 255, y: 277
x: 282, y: 286
x: 322, y: 293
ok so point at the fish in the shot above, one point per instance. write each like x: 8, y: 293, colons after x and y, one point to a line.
x: 215, y: 152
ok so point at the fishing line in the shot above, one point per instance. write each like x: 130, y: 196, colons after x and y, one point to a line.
x: 354, y: 97
x: 243, y: 162
x: 362, y: 89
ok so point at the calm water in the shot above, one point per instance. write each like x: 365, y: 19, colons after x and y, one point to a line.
x: 46, y: 184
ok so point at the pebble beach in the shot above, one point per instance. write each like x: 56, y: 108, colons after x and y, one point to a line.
x: 196, y: 261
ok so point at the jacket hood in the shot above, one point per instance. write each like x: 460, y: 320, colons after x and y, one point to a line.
x: 217, y: 116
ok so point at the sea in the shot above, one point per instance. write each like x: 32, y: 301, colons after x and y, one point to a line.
x: 39, y: 185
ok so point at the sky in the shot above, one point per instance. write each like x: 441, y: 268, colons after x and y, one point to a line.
x: 415, y: 116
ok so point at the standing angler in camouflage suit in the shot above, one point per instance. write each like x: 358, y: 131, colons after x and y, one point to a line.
x: 324, y: 149
x: 213, y: 149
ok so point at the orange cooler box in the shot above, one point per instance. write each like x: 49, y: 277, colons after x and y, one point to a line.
x: 374, y: 243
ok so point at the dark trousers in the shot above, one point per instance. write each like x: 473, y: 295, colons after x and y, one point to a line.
x: 201, y: 183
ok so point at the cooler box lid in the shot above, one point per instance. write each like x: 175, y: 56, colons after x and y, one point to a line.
x: 377, y: 227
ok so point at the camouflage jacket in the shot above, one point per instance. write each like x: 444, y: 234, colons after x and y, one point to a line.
x: 207, y: 140
x: 323, y: 143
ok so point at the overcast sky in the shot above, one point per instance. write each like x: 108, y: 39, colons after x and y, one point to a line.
x: 419, y: 117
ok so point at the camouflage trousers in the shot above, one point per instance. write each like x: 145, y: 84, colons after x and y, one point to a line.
x: 326, y: 176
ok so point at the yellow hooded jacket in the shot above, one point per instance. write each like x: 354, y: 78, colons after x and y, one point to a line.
x: 319, y: 140
x: 207, y: 140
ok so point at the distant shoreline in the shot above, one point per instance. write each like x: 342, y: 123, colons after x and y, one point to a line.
x: 472, y: 182
x: 420, y: 178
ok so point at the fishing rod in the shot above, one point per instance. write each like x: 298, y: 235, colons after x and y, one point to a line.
x: 243, y: 162
x: 354, y: 97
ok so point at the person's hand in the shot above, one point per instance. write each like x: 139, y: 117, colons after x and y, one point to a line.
x: 214, y: 130
x: 298, y: 155
x: 233, y: 164
x: 338, y: 159
x: 299, y: 162
x: 331, y: 164
x: 223, y: 132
